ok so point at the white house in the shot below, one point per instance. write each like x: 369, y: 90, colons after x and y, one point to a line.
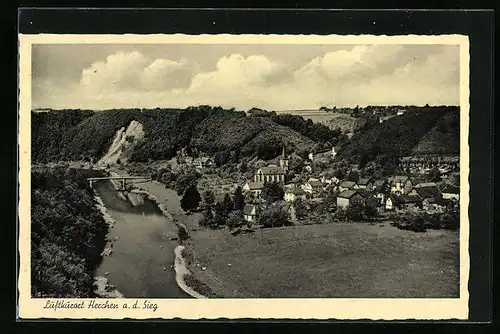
x: 294, y: 193
x: 255, y: 188
x: 389, y: 205
x: 250, y: 213
x: 311, y: 156
x: 400, y: 184
x: 312, y: 186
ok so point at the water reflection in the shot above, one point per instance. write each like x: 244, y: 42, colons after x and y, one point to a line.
x: 142, y: 254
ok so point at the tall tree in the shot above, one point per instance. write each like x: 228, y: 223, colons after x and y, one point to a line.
x: 208, y: 198
x: 353, y: 176
x: 272, y: 192
x: 190, y: 199
x: 227, y: 204
x: 434, y: 175
x: 238, y: 199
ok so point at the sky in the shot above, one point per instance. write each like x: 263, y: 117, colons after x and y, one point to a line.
x: 272, y: 77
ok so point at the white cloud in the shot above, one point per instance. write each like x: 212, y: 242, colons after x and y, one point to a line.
x: 362, y: 75
x: 134, y: 72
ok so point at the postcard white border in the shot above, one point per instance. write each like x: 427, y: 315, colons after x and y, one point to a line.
x: 375, y: 309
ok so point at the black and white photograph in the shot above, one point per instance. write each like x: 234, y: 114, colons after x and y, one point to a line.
x: 233, y: 168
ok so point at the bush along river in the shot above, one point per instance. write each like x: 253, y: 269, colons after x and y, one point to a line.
x: 139, y: 258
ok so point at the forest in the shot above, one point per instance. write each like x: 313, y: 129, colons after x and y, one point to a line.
x: 434, y: 131
x: 67, y: 233
x: 63, y: 135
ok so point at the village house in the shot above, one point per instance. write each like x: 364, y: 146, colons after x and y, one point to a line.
x: 312, y: 186
x: 389, y: 204
x: 450, y: 191
x: 426, y: 190
x: 347, y: 185
x: 378, y: 190
x: 347, y: 197
x: 254, y: 188
x: 327, y: 179
x: 294, y: 193
x: 400, y: 184
x: 251, y: 212
x: 203, y: 162
x: 431, y: 204
x: 407, y: 202
x: 365, y: 183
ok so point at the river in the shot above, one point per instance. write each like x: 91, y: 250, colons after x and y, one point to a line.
x: 142, y: 254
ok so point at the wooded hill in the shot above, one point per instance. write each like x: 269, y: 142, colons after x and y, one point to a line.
x: 67, y: 233
x: 60, y: 135
x: 432, y: 131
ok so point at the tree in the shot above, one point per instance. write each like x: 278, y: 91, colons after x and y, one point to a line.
x: 227, y: 204
x: 238, y: 199
x: 339, y: 174
x: 220, y: 215
x: 353, y: 176
x: 434, y: 175
x: 369, y: 211
x: 355, y: 211
x: 208, y: 198
x: 272, y: 192
x: 190, y: 199
x: 186, y: 180
x: 273, y: 217
x: 300, y: 208
x: 235, y: 220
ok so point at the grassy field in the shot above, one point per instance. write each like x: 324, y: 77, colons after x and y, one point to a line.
x: 334, y: 260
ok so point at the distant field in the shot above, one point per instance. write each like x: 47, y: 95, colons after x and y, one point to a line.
x: 334, y: 260
x: 332, y: 120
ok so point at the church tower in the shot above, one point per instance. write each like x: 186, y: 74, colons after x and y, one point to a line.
x: 284, y: 161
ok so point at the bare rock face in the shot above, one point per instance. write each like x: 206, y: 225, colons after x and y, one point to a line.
x: 123, y: 143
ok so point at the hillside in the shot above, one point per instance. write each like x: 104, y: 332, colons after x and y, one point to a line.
x: 432, y: 132
x: 67, y: 233
x: 50, y: 131
x: 90, y: 135
x: 443, y: 138
x: 346, y: 123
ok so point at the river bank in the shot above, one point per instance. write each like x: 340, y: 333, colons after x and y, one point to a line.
x: 168, y: 202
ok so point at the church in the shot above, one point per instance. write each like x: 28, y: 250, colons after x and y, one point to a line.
x: 273, y: 173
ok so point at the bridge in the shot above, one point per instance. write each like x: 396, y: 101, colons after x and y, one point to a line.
x: 121, y: 179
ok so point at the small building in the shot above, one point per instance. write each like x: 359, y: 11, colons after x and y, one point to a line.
x: 431, y: 204
x: 365, y: 183
x: 347, y: 197
x: 400, y: 184
x: 271, y: 173
x: 389, y: 204
x: 347, y: 185
x: 379, y: 191
x: 426, y: 191
x: 203, y: 162
x: 251, y: 212
x: 449, y: 191
x: 313, y: 186
x: 294, y: 193
x: 406, y: 202
x: 254, y: 188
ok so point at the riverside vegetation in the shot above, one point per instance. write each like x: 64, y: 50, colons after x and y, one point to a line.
x: 68, y: 233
